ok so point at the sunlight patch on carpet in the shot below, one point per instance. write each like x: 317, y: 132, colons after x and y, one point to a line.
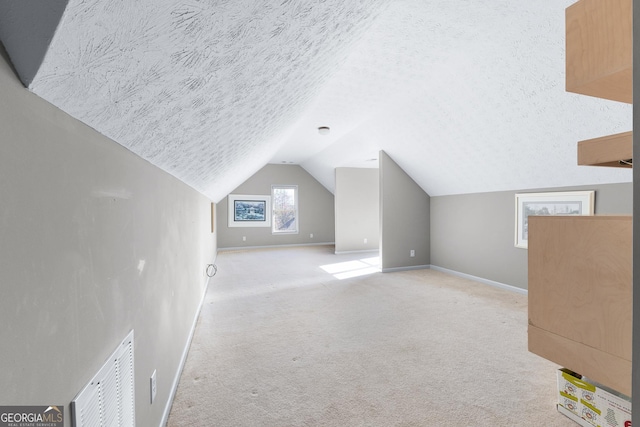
x: 356, y: 268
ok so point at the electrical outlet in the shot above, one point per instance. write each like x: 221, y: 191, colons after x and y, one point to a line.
x: 366, y: 240
x: 152, y: 384
x: 412, y: 253
x: 311, y: 236
x: 244, y: 238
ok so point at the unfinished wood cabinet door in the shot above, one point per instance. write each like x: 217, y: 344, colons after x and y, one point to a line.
x: 580, y: 283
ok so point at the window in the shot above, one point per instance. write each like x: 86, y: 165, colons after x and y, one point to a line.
x: 284, y: 202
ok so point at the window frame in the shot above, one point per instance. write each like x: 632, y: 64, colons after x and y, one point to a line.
x: 274, y: 216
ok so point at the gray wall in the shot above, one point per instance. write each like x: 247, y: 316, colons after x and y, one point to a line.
x: 474, y: 233
x: 357, y: 209
x: 95, y: 242
x: 404, y: 218
x: 315, y: 209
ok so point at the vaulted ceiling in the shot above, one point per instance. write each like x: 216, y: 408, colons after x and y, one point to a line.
x: 466, y: 96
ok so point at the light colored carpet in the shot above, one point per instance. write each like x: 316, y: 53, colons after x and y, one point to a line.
x: 281, y: 342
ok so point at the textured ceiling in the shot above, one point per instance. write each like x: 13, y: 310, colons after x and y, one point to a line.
x: 467, y: 96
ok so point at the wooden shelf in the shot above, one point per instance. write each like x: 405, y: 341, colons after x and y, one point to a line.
x: 580, y: 292
x: 599, y: 49
x: 607, y: 150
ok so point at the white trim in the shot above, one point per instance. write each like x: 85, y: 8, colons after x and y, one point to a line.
x: 183, y: 359
x: 356, y: 252
x: 273, y: 207
x: 237, y: 248
x: 410, y: 267
x: 481, y: 280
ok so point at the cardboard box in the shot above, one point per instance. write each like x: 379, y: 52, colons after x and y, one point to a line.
x: 615, y: 408
x: 567, y: 413
x: 590, y: 413
x: 572, y: 391
x: 590, y: 404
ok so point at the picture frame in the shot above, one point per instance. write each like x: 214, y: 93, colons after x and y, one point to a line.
x: 249, y: 210
x: 552, y: 203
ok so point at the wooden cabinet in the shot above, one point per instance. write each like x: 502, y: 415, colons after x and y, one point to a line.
x: 580, y: 267
x: 580, y: 295
x: 599, y: 56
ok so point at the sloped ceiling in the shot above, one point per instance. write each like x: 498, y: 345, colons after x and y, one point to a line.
x: 466, y: 96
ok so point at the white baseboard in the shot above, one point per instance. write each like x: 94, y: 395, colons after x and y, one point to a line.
x: 183, y: 359
x: 238, y: 248
x: 481, y: 280
x: 362, y: 251
x: 411, y: 267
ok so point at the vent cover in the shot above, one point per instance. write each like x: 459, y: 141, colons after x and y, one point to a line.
x: 108, y: 400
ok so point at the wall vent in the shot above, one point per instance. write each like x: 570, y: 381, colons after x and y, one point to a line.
x: 109, y: 399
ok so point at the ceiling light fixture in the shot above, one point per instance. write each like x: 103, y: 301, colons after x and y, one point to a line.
x: 324, y: 130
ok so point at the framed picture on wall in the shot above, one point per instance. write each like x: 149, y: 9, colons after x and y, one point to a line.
x: 555, y: 203
x: 249, y: 210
